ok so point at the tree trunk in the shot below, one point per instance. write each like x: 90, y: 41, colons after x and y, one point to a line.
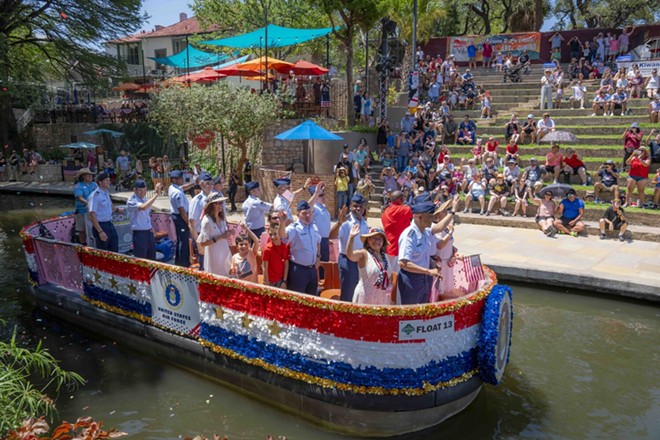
x: 8, y: 128
x: 538, y: 15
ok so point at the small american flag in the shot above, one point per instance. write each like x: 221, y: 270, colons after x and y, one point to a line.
x: 474, y: 272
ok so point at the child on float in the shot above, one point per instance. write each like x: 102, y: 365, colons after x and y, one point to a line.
x: 244, y: 262
x: 445, y: 255
x: 275, y: 259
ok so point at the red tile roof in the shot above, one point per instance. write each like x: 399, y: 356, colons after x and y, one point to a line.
x: 184, y: 27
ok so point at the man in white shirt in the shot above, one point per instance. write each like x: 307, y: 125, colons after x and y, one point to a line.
x: 579, y: 94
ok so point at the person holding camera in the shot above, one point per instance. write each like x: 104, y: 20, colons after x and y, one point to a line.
x: 639, y: 163
x: 632, y: 139
x: 609, y: 178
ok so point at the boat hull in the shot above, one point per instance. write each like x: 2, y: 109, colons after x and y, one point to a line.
x: 341, y: 411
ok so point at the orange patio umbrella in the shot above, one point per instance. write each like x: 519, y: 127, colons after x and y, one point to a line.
x: 259, y: 65
x: 126, y: 87
x: 303, y: 67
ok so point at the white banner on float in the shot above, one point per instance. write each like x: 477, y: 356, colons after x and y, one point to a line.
x: 175, y: 302
x: 645, y: 67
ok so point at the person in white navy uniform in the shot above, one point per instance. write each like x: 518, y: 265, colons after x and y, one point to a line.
x: 417, y: 244
x: 305, y: 248
x: 255, y: 209
x: 349, y: 274
x: 100, y: 213
x: 321, y: 217
x: 195, y: 218
x: 281, y: 203
x: 180, y: 210
x: 138, y: 210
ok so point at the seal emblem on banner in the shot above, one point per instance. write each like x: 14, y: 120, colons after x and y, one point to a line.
x: 173, y: 296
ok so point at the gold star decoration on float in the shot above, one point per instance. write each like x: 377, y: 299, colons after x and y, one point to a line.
x: 132, y: 290
x: 220, y: 314
x: 97, y: 276
x: 274, y: 328
x: 114, y: 283
x: 246, y: 320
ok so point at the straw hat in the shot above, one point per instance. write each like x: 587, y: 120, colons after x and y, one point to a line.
x: 83, y: 171
x: 215, y: 198
x: 373, y: 232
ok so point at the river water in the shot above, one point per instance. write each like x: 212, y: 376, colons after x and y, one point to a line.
x: 582, y: 366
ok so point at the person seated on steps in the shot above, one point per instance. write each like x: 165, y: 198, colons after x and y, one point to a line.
x: 476, y: 191
x: 499, y: 191
x: 614, y: 219
x: 554, y: 162
x: 534, y: 175
x: 570, y: 213
x: 609, y: 178
x: 545, y: 215
x: 522, y: 192
x: 574, y: 165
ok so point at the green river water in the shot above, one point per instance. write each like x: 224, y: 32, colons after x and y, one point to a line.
x: 582, y: 367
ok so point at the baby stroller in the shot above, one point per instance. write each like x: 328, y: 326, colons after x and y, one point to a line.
x: 513, y: 73
x: 126, y: 182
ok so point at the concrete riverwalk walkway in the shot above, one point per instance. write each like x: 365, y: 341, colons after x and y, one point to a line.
x: 629, y: 268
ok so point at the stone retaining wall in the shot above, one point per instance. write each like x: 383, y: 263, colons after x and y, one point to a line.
x: 43, y: 173
x: 48, y: 136
x: 275, y: 152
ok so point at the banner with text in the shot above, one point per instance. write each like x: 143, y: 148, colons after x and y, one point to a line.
x: 645, y: 67
x: 505, y: 43
x: 175, y: 302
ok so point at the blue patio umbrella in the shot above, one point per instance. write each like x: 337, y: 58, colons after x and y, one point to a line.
x: 113, y: 133
x: 308, y: 130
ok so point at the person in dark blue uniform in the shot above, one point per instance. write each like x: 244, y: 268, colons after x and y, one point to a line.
x: 305, y: 248
x: 180, y: 209
x: 349, y: 274
x: 138, y: 209
x: 417, y: 244
x: 100, y: 213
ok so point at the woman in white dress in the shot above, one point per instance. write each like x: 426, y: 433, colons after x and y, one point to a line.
x: 375, y: 284
x: 213, y: 237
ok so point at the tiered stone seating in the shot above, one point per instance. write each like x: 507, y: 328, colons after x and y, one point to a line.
x: 599, y: 139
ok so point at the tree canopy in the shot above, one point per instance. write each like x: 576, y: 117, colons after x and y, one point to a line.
x: 57, y: 37
x: 238, y: 114
x: 604, y: 13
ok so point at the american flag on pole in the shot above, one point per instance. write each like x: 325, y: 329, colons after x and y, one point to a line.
x: 474, y: 272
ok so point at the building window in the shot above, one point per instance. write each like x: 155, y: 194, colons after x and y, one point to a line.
x: 133, y: 55
x: 160, y: 53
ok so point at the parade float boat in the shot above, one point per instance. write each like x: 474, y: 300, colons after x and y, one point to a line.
x: 372, y: 371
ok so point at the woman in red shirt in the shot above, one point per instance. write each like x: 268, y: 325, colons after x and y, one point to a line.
x: 491, y: 149
x: 511, y: 151
x: 639, y: 164
x: 632, y: 139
